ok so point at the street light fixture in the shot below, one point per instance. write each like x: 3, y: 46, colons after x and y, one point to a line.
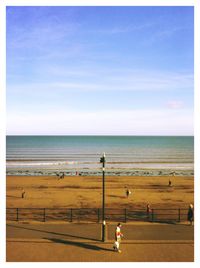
x: 103, y: 160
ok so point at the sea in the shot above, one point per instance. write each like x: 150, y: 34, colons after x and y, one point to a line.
x: 80, y: 155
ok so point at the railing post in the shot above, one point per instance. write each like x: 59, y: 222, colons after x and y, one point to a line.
x: 44, y: 214
x: 179, y: 214
x: 17, y: 214
x: 152, y: 215
x: 71, y: 215
x: 125, y: 215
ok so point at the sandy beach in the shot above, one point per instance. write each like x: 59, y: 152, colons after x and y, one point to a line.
x: 79, y: 191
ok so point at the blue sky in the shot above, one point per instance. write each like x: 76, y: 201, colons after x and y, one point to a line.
x: 100, y: 70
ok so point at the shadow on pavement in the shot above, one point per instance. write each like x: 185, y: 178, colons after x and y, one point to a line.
x: 13, y: 196
x: 78, y: 244
x: 54, y: 233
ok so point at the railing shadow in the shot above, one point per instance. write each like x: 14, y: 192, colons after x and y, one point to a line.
x: 13, y: 196
x: 54, y: 233
x: 172, y: 222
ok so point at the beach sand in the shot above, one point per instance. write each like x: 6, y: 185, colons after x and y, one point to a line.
x: 78, y: 192
x: 86, y: 192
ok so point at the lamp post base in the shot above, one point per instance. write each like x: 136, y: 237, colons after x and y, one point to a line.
x: 104, y: 231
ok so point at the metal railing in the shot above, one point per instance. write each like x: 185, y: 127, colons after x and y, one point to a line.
x: 95, y: 214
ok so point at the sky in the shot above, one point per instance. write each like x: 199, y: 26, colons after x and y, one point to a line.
x: 100, y: 70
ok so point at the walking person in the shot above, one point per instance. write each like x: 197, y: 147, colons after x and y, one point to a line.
x: 23, y: 193
x: 190, y: 214
x: 170, y: 183
x: 118, y: 236
x: 148, y: 211
x: 128, y: 192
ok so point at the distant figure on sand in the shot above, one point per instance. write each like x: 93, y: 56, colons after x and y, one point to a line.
x: 190, y: 214
x: 170, y: 182
x: 61, y: 176
x: 118, y: 236
x: 148, y: 210
x: 23, y: 193
x: 128, y: 192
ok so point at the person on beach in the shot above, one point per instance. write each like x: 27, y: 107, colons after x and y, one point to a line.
x: 170, y: 183
x: 118, y: 236
x: 61, y: 176
x: 128, y: 192
x: 148, y: 210
x: 190, y: 214
x: 23, y: 193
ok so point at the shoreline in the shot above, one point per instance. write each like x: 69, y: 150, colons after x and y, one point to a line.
x: 134, y: 172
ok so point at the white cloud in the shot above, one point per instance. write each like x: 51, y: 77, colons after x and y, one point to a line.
x: 130, y: 122
x: 174, y: 104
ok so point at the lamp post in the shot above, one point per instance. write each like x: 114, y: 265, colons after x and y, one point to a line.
x: 103, y: 160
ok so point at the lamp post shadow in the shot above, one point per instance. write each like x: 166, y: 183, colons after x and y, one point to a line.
x: 78, y: 244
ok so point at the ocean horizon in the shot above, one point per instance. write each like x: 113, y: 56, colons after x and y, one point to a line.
x: 125, y: 155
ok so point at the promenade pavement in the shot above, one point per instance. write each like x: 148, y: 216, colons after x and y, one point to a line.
x: 81, y: 242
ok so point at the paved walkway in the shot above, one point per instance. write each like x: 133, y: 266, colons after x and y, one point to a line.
x: 81, y: 242
x: 92, y: 232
